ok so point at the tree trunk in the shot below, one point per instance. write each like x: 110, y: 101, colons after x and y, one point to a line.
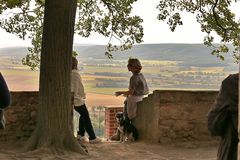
x: 53, y: 128
x: 238, y: 154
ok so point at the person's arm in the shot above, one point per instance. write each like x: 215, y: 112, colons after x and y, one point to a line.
x: 128, y: 92
x: 124, y: 93
x: 5, y: 97
x: 74, y: 85
x: 77, y: 87
x: 80, y: 85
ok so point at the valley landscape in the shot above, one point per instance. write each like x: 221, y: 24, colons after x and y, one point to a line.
x: 165, y: 66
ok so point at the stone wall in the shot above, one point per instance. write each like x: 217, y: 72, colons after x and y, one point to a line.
x: 164, y: 116
x: 20, y: 116
x: 171, y: 116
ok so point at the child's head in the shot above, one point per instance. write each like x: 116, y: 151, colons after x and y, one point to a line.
x: 134, y: 65
x: 74, y: 63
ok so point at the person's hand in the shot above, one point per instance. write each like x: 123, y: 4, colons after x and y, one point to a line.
x: 118, y: 93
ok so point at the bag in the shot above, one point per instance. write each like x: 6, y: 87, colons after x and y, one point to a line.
x: 217, y: 121
x: 2, y: 119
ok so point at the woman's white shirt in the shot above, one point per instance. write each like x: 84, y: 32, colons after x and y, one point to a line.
x: 77, y: 88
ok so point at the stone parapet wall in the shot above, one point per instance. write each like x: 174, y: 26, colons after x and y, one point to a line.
x: 147, y: 119
x: 171, y: 116
x: 20, y: 116
x: 163, y: 116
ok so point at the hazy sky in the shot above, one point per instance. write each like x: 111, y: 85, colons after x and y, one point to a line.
x: 155, y: 31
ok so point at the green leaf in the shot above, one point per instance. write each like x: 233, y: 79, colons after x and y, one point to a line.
x: 13, y: 3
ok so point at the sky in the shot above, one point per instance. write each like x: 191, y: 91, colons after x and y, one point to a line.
x: 155, y: 31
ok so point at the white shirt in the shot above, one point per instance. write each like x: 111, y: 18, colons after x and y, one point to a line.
x: 77, y: 88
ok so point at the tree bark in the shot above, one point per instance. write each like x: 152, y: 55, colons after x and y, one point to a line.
x: 238, y: 154
x: 53, y: 129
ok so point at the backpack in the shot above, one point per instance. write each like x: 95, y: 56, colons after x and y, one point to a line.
x: 217, y: 121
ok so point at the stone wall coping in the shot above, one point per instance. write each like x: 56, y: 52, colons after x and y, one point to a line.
x: 24, y: 91
x: 186, y: 90
x: 110, y: 107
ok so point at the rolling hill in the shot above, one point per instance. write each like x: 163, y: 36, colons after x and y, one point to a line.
x: 189, y: 54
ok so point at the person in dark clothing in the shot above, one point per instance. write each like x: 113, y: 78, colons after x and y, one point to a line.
x: 226, y: 104
x: 5, y: 100
x: 5, y: 97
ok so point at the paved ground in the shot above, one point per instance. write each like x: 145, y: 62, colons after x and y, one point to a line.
x: 120, y: 151
x: 143, y: 151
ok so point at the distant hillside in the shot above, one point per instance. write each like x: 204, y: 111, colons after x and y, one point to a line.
x: 14, y: 51
x: 190, y: 54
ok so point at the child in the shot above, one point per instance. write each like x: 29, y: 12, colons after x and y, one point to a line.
x: 136, y: 90
x: 79, y: 105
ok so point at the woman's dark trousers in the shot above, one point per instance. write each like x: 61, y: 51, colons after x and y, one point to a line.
x: 85, y: 122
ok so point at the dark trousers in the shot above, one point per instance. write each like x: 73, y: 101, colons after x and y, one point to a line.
x: 85, y: 122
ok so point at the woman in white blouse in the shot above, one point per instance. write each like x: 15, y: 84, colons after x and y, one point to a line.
x: 79, y: 105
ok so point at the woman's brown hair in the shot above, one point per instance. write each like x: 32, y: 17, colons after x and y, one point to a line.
x: 134, y: 62
x: 74, y: 63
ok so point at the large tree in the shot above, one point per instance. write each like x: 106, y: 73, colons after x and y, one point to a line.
x: 110, y: 18
x: 53, y: 38
x: 53, y: 129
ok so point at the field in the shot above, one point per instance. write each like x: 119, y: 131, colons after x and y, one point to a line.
x: 25, y: 80
x: 102, y: 77
x: 174, y: 69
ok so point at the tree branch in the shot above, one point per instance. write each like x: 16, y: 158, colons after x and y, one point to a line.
x: 109, y: 6
x: 200, y: 5
x: 216, y: 19
x: 14, y: 13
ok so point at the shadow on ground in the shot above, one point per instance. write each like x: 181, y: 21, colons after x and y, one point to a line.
x: 119, y: 151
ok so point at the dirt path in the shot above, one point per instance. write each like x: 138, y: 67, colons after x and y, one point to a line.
x: 119, y: 151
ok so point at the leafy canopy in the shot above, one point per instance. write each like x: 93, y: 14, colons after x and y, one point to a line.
x: 113, y: 19
x: 214, y: 16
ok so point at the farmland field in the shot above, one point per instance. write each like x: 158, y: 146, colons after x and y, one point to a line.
x: 98, y: 78
x: 165, y: 66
